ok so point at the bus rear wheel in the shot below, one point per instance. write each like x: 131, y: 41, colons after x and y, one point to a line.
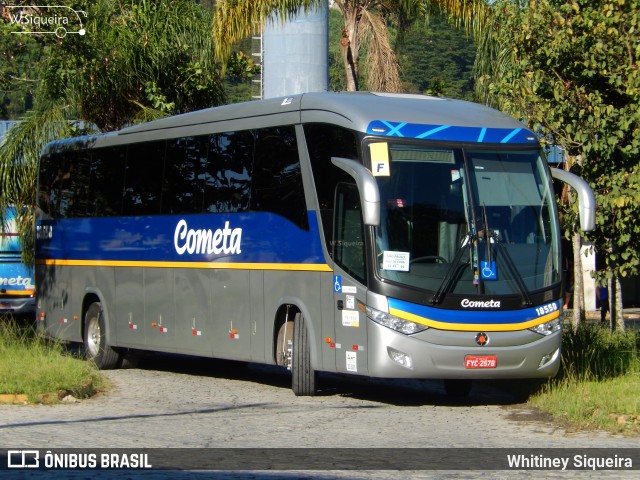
x: 304, y: 377
x: 95, y: 340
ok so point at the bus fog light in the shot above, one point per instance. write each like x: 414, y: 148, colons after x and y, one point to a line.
x: 549, y: 327
x: 400, y: 358
x: 549, y: 358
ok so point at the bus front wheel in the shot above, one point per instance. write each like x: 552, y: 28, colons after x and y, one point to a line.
x: 95, y: 340
x: 304, y: 377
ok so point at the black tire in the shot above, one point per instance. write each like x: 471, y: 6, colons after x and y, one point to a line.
x: 457, y: 388
x: 95, y: 340
x: 304, y: 377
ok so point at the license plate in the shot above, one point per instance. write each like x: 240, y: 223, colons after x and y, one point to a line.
x: 480, y: 361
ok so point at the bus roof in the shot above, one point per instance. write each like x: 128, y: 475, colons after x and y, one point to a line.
x: 354, y: 110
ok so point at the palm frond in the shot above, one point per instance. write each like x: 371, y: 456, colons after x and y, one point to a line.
x: 383, y: 74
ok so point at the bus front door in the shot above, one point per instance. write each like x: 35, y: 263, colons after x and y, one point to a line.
x: 349, y: 289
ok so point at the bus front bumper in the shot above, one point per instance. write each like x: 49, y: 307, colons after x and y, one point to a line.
x: 456, y: 355
x: 18, y: 306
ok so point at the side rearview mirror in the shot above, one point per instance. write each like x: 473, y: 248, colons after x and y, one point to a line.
x: 586, y: 199
x: 367, y: 186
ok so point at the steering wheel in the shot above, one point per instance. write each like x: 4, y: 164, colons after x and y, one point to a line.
x: 435, y: 258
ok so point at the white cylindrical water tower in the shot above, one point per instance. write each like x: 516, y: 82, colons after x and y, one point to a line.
x: 295, y: 55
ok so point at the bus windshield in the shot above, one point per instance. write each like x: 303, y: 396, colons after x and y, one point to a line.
x: 467, y: 221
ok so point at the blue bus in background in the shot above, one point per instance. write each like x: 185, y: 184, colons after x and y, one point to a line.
x: 17, y: 286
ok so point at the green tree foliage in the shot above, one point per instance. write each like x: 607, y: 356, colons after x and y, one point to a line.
x: 18, y: 55
x: 138, y: 60
x: 437, y: 59
x: 571, y: 70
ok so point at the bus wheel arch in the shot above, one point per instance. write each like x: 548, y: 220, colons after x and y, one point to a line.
x: 283, y: 335
x: 95, y: 336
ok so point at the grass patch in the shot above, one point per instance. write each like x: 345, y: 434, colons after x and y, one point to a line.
x: 41, y: 369
x: 599, y: 382
x: 594, y: 353
x: 612, y: 404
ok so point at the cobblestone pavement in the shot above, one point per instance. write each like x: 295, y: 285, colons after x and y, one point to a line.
x: 174, y: 402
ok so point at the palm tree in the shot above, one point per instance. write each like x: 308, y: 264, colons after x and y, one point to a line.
x: 365, y: 27
x: 137, y: 61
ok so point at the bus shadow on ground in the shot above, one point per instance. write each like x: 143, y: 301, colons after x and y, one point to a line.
x: 398, y: 392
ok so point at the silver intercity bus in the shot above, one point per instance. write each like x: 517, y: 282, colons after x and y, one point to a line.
x: 394, y: 236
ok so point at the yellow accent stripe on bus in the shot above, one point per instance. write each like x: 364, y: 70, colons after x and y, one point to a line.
x: 489, y: 327
x: 19, y: 292
x: 312, y: 267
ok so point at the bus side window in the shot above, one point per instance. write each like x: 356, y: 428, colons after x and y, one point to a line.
x: 229, y: 172
x: 348, y: 245
x: 48, y: 189
x: 74, y: 185
x: 106, y: 181
x: 184, y: 177
x: 143, y: 179
x: 277, y: 178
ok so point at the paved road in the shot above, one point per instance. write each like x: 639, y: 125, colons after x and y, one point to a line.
x: 176, y: 402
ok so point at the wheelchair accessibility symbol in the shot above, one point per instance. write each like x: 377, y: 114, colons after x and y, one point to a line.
x: 337, y: 283
x: 488, y: 271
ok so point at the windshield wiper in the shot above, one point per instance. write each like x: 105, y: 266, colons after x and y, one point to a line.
x: 455, y: 266
x: 526, y: 299
x: 487, y: 234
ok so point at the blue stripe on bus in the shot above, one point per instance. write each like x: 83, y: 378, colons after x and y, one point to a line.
x: 264, y: 238
x: 472, y: 317
x: 452, y: 133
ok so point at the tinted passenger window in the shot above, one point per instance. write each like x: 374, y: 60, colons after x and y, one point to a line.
x: 255, y: 170
x: 185, y: 171
x: 63, y: 184
x: 48, y: 189
x: 228, y: 175
x: 143, y: 179
x: 277, y: 180
x: 106, y: 181
x: 74, y: 185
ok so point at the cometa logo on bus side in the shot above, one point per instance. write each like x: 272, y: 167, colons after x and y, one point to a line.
x: 206, y: 241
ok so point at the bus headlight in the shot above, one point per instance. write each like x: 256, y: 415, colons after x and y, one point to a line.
x: 394, y: 323
x: 549, y: 327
